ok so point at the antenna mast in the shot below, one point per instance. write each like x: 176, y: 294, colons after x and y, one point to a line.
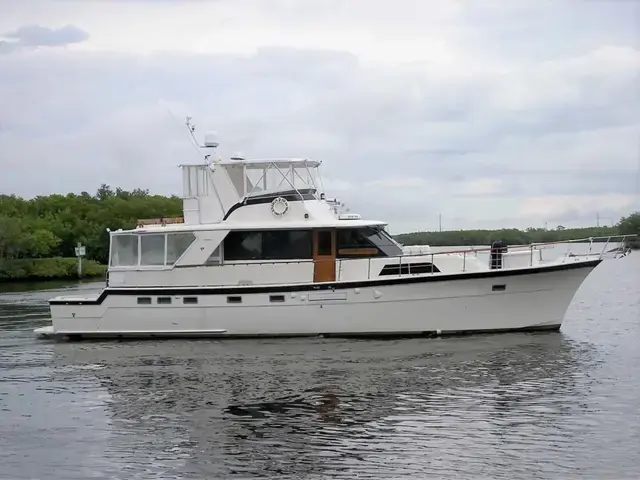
x: 210, y: 141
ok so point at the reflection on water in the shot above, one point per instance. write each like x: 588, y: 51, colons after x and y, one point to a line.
x: 546, y: 405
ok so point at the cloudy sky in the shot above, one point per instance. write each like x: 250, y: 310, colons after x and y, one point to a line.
x: 494, y: 112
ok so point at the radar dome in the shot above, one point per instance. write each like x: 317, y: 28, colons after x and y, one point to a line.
x: 211, y: 139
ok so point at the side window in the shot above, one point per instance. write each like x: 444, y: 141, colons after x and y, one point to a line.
x: 243, y: 246
x: 124, y: 250
x: 287, y: 244
x: 152, y: 249
x: 177, y: 244
x: 352, y: 238
x: 385, y: 242
x: 354, y: 243
x: 269, y: 245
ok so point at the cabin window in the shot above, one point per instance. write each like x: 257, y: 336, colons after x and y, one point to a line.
x: 268, y: 245
x: 177, y: 244
x: 144, y: 300
x: 287, y: 244
x: 235, y: 299
x: 243, y: 246
x: 164, y: 300
x: 152, y: 249
x: 498, y: 288
x: 409, y: 268
x: 366, y: 242
x: 276, y: 298
x: 124, y: 250
x: 190, y: 300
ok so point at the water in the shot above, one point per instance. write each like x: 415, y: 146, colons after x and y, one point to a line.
x: 549, y: 405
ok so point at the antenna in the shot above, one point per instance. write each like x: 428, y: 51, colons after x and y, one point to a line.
x: 210, y: 141
x: 193, y: 140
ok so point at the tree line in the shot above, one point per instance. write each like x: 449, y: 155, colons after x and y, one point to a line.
x: 511, y: 236
x: 50, y: 226
x: 626, y: 226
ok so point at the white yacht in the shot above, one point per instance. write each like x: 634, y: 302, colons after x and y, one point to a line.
x: 261, y: 251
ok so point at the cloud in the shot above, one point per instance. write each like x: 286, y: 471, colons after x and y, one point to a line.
x: 399, y: 182
x: 414, y: 111
x: 32, y: 36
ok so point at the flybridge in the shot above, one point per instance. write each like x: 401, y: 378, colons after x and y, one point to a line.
x: 213, y: 188
x: 210, y: 190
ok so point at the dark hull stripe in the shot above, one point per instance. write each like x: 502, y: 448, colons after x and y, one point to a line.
x: 301, y: 287
x: 360, y: 335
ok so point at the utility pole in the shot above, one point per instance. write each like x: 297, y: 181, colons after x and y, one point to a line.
x: 80, y: 252
x: 440, y: 221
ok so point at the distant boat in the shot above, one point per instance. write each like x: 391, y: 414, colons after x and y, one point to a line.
x: 261, y: 251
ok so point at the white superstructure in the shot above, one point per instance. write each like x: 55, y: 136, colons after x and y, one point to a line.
x: 260, y: 250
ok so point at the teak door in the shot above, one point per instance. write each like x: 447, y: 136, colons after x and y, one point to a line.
x: 324, y: 256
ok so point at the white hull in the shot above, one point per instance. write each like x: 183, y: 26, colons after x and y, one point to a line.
x: 531, y: 299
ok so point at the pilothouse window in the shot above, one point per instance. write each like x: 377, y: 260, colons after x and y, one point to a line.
x: 368, y: 242
x: 152, y: 249
x: 148, y: 249
x: 124, y: 250
x: 177, y: 244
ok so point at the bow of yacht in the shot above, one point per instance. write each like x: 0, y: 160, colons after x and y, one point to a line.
x: 262, y: 251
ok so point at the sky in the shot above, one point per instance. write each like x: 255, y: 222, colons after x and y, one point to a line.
x: 492, y: 113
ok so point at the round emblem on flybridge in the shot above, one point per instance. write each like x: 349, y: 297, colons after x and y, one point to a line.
x: 279, y: 206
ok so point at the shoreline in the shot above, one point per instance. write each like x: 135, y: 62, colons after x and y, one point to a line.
x: 32, y: 270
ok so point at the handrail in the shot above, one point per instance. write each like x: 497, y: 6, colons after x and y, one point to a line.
x: 527, y: 245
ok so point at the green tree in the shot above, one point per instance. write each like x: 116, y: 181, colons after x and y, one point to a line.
x: 10, y: 237
x: 40, y: 243
x: 630, y: 225
x: 51, y: 226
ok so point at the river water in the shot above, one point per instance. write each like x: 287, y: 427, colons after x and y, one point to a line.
x: 548, y: 405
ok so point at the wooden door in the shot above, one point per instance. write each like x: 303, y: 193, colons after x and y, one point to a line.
x: 324, y: 256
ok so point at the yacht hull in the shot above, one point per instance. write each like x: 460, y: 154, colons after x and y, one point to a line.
x: 499, y: 300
